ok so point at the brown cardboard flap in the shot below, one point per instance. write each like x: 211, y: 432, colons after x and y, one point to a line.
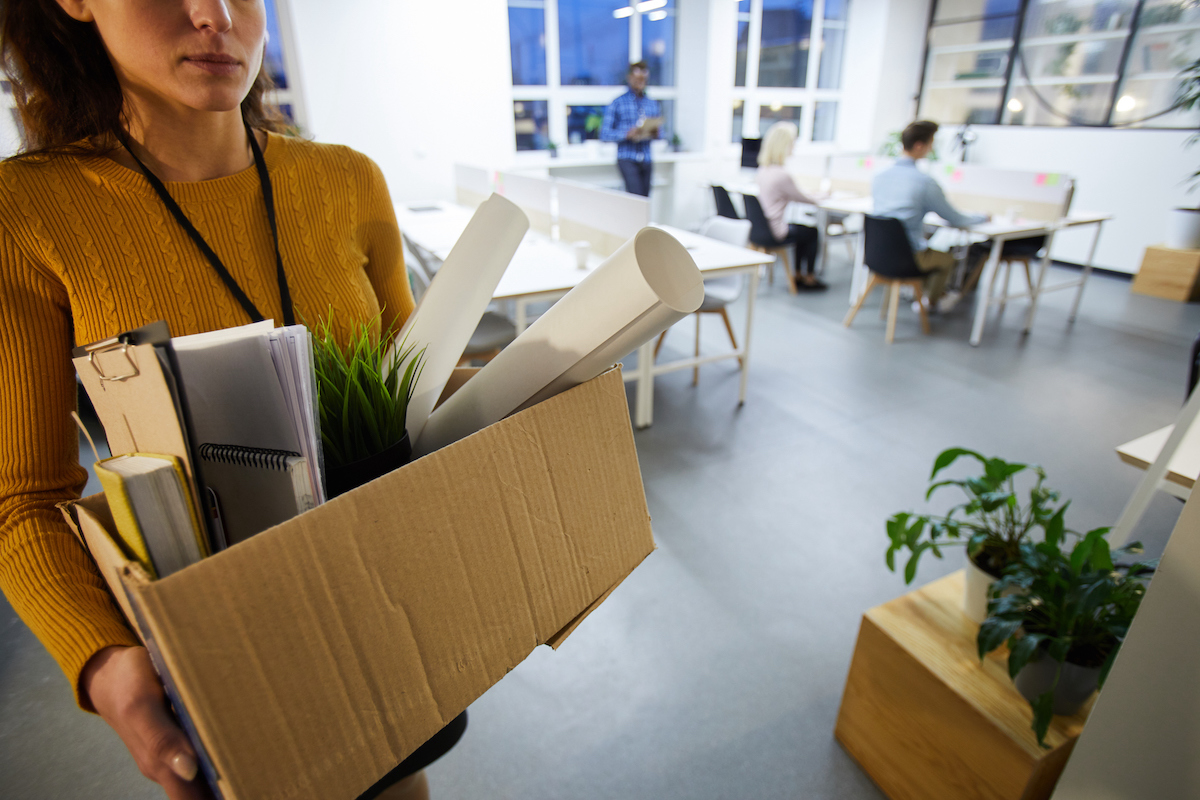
x: 316, y: 655
x: 557, y: 639
x: 91, y: 521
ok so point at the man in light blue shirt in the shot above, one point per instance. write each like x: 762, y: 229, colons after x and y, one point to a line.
x: 906, y: 193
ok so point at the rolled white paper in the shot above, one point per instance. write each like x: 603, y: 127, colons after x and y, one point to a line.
x: 648, y: 285
x: 456, y: 298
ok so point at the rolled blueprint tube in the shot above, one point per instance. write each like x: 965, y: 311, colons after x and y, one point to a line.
x: 460, y: 292
x: 648, y: 285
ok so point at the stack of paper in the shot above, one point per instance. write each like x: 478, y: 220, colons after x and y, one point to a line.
x: 237, y: 407
x: 250, y: 407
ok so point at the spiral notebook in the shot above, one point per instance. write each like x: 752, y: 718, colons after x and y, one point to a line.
x: 250, y: 489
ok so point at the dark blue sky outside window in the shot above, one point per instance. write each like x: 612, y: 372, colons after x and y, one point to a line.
x: 594, y: 45
x: 527, y: 40
x: 786, y: 32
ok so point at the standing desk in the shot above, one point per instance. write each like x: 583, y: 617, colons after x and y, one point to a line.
x: 544, y: 270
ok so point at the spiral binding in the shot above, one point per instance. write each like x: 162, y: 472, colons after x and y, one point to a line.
x: 261, y: 457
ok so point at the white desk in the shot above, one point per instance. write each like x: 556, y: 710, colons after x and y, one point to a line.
x: 1184, y: 468
x: 998, y: 232
x: 544, y: 270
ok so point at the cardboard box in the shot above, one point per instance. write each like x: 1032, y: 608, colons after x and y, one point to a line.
x: 1170, y: 274
x: 315, y: 656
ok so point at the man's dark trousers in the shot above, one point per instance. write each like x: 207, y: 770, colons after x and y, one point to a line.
x: 636, y: 174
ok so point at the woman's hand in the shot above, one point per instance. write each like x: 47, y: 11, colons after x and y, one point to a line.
x: 125, y: 691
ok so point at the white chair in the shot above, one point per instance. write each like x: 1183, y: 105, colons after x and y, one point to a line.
x: 494, y: 331
x: 718, y: 292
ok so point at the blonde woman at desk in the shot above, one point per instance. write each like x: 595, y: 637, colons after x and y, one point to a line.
x: 154, y: 184
x: 776, y: 190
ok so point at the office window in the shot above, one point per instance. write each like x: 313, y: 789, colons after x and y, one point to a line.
x: 779, y: 71
x: 1072, y: 62
x: 527, y: 41
x: 743, y: 42
x: 658, y: 41
x: 532, y: 124
x: 769, y: 115
x: 825, y: 122
x: 280, y: 63
x: 583, y: 122
x: 570, y: 59
x: 593, y: 43
x: 786, y: 38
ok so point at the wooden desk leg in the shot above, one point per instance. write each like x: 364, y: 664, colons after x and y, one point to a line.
x: 1087, y: 271
x: 859, y: 272
x: 981, y: 297
x: 644, y: 398
x: 751, y: 296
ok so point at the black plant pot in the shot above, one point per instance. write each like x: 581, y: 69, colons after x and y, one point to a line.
x: 339, y: 480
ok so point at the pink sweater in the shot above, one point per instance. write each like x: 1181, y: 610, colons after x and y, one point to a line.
x: 775, y: 190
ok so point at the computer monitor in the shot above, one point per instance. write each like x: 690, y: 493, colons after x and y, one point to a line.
x: 750, y: 148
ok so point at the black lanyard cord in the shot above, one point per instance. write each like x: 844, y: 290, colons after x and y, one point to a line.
x: 285, y: 297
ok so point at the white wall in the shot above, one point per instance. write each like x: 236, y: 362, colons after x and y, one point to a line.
x: 885, y: 46
x: 1137, y: 175
x: 416, y: 86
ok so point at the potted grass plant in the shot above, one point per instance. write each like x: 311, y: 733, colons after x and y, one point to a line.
x: 1063, y: 615
x: 363, y: 393
x: 993, y: 522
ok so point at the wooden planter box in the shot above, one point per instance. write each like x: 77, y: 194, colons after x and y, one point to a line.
x: 1170, y: 274
x: 927, y: 720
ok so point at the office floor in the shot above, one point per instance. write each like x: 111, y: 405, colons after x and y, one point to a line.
x: 716, y: 670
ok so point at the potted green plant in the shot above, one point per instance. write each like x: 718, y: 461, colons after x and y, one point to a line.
x: 993, y: 522
x: 553, y: 148
x: 676, y: 143
x: 1063, y: 615
x: 1183, y: 226
x: 362, y: 398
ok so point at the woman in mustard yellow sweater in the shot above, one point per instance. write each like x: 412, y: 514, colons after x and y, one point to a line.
x: 114, y: 94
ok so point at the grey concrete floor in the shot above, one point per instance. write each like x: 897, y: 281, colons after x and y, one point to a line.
x: 715, y: 671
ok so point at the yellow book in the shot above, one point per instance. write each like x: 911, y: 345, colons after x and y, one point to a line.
x: 156, y: 521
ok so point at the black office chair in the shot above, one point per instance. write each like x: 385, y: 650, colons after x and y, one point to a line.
x: 725, y: 206
x: 888, y: 254
x: 764, y: 241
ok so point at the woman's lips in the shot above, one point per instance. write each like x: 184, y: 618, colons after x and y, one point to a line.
x: 214, y: 63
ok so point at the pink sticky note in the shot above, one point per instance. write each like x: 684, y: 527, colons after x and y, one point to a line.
x: 1040, y: 179
x: 868, y: 162
x: 957, y: 175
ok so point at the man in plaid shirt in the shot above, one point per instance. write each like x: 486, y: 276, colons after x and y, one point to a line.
x: 623, y: 124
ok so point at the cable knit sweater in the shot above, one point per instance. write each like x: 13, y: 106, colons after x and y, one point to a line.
x: 88, y: 250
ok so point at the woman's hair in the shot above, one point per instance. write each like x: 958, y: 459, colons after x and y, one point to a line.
x: 66, y: 91
x: 777, y: 144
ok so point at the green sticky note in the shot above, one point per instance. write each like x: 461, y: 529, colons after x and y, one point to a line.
x: 1051, y: 179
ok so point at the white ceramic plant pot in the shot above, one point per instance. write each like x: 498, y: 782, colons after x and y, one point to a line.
x: 975, y: 599
x: 1183, y: 229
